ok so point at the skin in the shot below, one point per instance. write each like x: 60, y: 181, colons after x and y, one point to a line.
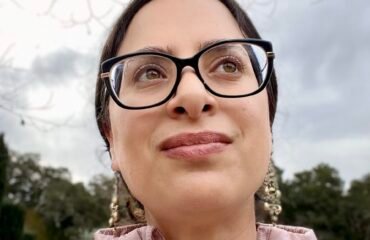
x: 213, y: 198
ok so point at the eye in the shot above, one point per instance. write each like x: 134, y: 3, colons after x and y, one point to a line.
x: 229, y: 67
x: 152, y: 74
x: 228, y: 64
x: 149, y: 73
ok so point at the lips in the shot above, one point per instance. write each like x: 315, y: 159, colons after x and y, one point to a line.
x: 194, y: 145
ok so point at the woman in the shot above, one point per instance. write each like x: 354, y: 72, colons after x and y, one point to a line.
x: 185, y: 101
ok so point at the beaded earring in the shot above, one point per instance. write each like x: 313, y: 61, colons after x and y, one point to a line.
x: 270, y: 194
x: 114, y: 206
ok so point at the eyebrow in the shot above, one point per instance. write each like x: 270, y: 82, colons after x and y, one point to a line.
x: 206, y: 44
x: 168, y: 50
x: 158, y: 49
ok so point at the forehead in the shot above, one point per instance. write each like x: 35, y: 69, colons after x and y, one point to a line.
x: 179, y: 25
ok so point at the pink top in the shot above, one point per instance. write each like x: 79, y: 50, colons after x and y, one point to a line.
x: 146, y: 232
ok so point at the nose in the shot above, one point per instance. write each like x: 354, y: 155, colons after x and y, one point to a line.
x: 191, y: 100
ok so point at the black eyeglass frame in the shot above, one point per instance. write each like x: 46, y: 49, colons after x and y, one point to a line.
x: 181, y: 63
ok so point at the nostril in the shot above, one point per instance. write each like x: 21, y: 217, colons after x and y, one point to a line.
x: 206, y: 108
x: 179, y: 110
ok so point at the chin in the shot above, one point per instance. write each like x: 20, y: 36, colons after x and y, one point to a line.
x: 208, y: 192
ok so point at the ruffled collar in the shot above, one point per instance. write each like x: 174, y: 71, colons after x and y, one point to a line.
x: 147, y: 232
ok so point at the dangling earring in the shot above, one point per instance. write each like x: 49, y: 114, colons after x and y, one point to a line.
x: 271, y: 194
x: 114, y: 206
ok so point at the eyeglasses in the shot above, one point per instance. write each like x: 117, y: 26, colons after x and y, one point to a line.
x: 230, y: 69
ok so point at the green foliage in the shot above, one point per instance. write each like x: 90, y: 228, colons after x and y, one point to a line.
x: 56, y: 207
x: 24, y: 180
x: 67, y: 209
x: 357, y: 210
x: 11, y: 222
x: 316, y: 199
x: 101, y: 187
x: 4, y: 159
x: 28, y: 237
x: 27, y: 179
x: 312, y: 198
x: 35, y: 225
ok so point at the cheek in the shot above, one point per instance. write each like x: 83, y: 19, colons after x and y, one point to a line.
x: 257, y: 124
x: 251, y: 116
x: 131, y: 134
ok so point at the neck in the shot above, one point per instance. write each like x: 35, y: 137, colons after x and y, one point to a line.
x: 224, y: 224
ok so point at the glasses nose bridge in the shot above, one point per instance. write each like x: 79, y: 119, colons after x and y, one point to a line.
x: 188, y: 62
x: 191, y: 62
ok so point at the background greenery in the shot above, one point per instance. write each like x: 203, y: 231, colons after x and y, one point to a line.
x: 39, y: 202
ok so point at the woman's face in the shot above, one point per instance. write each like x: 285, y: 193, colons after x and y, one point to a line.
x: 218, y: 175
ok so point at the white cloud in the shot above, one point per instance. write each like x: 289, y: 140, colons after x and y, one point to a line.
x: 321, y: 51
x: 351, y: 157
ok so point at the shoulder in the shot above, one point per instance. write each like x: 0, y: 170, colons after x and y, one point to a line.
x: 283, y: 232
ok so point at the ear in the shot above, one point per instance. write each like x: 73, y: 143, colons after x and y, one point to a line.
x: 109, y: 138
x: 113, y: 158
x: 114, y: 161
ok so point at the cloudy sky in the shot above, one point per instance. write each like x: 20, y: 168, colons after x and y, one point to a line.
x: 49, y: 58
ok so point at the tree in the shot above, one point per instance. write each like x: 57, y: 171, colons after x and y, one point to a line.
x: 101, y: 188
x: 11, y: 222
x: 55, y: 206
x: 67, y: 208
x: 357, y: 209
x: 11, y: 216
x: 25, y: 180
x: 4, y: 160
x: 314, y: 199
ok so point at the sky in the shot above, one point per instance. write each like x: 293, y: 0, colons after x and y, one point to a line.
x: 49, y: 54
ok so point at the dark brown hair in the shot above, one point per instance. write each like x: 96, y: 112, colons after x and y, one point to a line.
x: 115, y: 39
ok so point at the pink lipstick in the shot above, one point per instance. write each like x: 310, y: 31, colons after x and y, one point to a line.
x: 194, y: 146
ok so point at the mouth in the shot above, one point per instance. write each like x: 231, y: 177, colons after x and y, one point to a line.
x: 194, y: 146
